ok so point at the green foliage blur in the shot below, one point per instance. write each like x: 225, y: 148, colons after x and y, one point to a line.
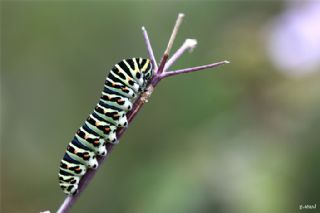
x: 240, y: 138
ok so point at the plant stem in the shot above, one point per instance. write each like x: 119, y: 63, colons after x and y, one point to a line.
x: 170, y: 43
x: 192, y: 69
x: 174, y: 33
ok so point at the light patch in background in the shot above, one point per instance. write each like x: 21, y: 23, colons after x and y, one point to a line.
x: 293, y: 39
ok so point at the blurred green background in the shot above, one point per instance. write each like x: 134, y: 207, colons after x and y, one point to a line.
x: 241, y: 138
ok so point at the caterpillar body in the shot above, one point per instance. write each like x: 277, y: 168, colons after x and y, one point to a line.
x: 124, y: 83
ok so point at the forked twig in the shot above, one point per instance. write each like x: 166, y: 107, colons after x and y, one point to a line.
x: 159, y: 74
x: 189, y: 44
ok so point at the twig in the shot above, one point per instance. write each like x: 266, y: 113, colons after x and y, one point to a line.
x: 149, y: 48
x: 174, y: 33
x: 170, y: 43
x: 192, y: 69
x: 189, y: 44
x: 158, y: 75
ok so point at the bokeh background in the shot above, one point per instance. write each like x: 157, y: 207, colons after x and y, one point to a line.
x: 241, y: 138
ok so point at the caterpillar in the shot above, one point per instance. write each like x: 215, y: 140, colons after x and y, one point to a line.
x: 126, y: 81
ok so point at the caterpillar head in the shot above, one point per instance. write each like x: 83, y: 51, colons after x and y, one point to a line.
x: 147, y: 70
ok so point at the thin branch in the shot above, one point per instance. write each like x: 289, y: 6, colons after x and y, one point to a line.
x: 174, y: 33
x: 189, y: 44
x: 149, y: 48
x: 85, y: 180
x: 66, y: 205
x: 170, y: 43
x: 192, y: 69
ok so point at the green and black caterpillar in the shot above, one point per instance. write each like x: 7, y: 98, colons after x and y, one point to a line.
x: 125, y: 82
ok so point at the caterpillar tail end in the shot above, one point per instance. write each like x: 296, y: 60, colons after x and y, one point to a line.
x: 69, y: 189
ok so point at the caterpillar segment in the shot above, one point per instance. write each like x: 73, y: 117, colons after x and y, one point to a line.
x: 68, y: 182
x: 68, y: 188
x: 65, y: 177
x: 111, y: 114
x: 117, y: 101
x: 102, y: 128
x: 82, y: 154
x: 118, y: 76
x: 92, y: 141
x: 73, y: 168
x: 131, y: 67
x: 118, y: 88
